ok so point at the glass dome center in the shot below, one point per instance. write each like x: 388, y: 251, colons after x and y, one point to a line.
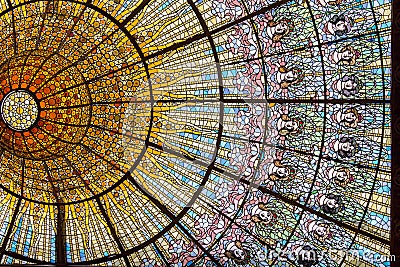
x: 19, y: 110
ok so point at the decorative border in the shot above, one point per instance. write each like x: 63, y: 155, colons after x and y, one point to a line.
x: 395, y: 111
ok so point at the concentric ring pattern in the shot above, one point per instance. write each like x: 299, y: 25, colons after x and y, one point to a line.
x: 195, y: 132
x: 19, y: 110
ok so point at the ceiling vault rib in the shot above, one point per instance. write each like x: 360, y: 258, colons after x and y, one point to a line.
x: 61, y: 250
x: 170, y: 215
x: 113, y: 232
x: 10, y: 229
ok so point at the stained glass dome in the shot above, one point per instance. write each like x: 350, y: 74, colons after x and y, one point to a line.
x: 195, y: 132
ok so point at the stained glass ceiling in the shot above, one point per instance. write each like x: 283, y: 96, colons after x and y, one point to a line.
x: 195, y: 132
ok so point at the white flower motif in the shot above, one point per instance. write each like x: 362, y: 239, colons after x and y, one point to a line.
x: 221, y: 190
x: 176, y: 247
x: 203, y: 222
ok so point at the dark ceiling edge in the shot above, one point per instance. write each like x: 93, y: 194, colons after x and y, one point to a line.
x: 395, y: 112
